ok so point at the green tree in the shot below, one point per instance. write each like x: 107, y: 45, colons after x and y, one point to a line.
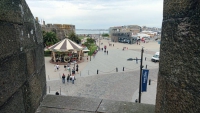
x: 49, y: 38
x: 89, y: 42
x: 72, y: 36
x: 105, y: 35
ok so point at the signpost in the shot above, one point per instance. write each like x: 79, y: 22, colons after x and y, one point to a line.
x: 145, y: 73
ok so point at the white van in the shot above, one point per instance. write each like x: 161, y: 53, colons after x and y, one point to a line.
x: 155, y: 57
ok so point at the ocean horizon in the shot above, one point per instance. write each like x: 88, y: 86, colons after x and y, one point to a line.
x: 90, y: 32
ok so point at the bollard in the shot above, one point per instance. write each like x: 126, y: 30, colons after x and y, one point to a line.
x: 146, y: 66
x: 60, y: 90
x: 49, y: 89
x: 149, y: 81
x: 97, y: 71
x: 116, y: 69
x: 123, y: 68
x: 136, y: 60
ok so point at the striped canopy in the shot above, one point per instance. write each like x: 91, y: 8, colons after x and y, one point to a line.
x: 65, y: 45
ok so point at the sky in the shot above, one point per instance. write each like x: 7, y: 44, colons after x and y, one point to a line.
x: 98, y: 14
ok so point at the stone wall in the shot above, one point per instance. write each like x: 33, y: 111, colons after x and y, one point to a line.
x: 22, y: 68
x: 179, y: 74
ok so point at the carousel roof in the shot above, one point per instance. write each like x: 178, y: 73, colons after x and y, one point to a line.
x: 65, y: 45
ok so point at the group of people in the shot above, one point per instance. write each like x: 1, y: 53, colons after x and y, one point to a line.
x: 69, y: 77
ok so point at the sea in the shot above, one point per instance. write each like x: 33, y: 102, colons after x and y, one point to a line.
x: 91, y: 32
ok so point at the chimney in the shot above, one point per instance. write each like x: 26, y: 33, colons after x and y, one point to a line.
x: 36, y: 18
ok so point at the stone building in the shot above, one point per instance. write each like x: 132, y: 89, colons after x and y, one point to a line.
x: 61, y: 30
x: 22, y: 68
x: 178, y: 86
x: 119, y: 33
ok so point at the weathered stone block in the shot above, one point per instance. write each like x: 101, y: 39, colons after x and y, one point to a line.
x: 22, y: 68
x: 15, y: 102
x: 13, y: 75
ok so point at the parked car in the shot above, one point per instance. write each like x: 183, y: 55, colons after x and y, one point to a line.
x: 155, y: 57
x: 146, y: 38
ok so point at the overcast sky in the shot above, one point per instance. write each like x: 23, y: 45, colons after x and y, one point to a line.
x: 99, y: 14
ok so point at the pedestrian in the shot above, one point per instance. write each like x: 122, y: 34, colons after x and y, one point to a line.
x: 107, y: 52
x: 68, y: 77
x: 136, y: 60
x: 72, y: 79
x: 65, y: 67
x: 68, y: 64
x: 57, y: 67
x: 57, y: 93
x: 73, y: 71
x: 102, y: 48
x: 87, y: 58
x: 77, y: 69
x: 136, y: 100
x: 63, y: 78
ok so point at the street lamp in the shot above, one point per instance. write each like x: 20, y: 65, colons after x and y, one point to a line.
x: 142, y: 51
x: 99, y: 40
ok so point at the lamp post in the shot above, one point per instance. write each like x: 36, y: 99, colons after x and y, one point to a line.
x: 142, y: 51
x: 99, y: 40
x: 90, y: 55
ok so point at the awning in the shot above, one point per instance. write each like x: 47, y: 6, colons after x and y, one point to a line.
x: 65, y: 45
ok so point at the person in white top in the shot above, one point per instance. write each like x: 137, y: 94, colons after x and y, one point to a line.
x: 72, y: 79
x: 57, y: 67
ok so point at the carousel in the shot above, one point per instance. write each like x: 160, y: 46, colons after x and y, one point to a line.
x: 66, y: 51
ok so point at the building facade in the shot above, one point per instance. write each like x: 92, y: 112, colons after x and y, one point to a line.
x: 61, y: 30
x: 124, y: 34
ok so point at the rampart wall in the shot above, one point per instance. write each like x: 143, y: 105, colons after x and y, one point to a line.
x: 22, y: 68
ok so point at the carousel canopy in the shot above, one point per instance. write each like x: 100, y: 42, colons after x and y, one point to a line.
x: 86, y: 49
x: 65, y: 45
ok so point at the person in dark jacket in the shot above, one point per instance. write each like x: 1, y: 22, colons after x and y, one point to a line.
x: 68, y: 77
x: 63, y: 78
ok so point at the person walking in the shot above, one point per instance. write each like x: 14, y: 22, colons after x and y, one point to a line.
x: 77, y: 68
x: 73, y: 71
x: 68, y: 77
x: 57, y: 67
x: 87, y: 58
x: 65, y: 67
x: 72, y: 79
x: 63, y: 78
x: 107, y: 52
